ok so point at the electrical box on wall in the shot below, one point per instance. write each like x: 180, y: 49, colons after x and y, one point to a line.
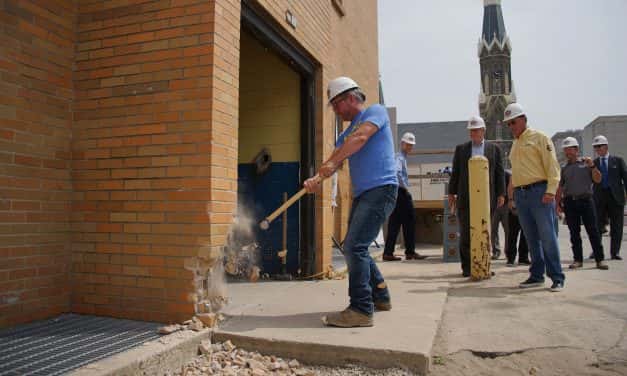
x: 291, y: 19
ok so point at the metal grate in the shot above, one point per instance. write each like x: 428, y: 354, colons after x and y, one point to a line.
x: 59, y: 345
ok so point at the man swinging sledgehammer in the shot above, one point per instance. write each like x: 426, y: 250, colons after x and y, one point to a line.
x: 368, y: 145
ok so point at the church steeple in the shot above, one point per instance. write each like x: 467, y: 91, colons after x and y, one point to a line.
x: 497, y: 88
x: 493, y: 25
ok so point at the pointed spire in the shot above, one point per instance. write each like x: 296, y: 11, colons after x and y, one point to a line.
x: 493, y: 24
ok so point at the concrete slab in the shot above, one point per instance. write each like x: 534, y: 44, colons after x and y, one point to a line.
x: 497, y: 317
x: 284, y: 318
x: 493, y: 328
x: 435, y: 312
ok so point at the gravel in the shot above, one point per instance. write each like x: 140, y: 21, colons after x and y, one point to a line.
x: 225, y: 359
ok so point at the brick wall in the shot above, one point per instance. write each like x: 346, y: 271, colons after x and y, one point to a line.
x: 36, y: 56
x: 128, y: 110
x: 153, y: 156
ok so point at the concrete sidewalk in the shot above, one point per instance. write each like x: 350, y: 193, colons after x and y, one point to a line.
x: 436, y: 312
x: 440, y: 323
x: 494, y: 327
x: 284, y: 318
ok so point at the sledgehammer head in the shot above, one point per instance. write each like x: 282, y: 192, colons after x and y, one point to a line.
x: 264, y: 225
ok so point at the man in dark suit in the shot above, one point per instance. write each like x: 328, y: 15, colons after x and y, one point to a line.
x: 609, y: 194
x: 458, y: 196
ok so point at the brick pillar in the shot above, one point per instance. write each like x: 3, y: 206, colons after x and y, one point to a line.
x: 225, y: 122
x: 154, y: 153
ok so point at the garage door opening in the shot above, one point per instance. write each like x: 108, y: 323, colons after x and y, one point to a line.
x: 275, y: 148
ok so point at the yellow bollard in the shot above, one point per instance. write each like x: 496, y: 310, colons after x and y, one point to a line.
x: 479, y: 196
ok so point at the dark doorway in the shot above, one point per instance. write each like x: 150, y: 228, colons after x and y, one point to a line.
x: 295, y: 86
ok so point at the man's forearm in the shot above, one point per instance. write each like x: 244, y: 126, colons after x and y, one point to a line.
x: 348, y: 148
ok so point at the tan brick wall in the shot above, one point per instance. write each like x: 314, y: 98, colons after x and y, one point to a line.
x: 154, y: 157
x: 147, y: 151
x: 36, y: 56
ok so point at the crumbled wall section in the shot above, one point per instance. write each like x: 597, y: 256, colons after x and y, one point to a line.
x: 153, y: 156
x: 36, y: 57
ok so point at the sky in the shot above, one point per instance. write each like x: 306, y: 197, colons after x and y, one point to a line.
x: 569, y: 59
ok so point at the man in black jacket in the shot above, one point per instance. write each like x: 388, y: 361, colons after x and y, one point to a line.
x: 458, y: 196
x: 609, y: 194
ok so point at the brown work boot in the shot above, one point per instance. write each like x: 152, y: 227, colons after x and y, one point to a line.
x: 415, y: 256
x: 602, y: 265
x: 391, y: 258
x: 383, y: 306
x: 575, y: 265
x: 347, y: 318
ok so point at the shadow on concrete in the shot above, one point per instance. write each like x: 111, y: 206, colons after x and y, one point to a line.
x: 412, y: 278
x: 428, y: 291
x: 250, y: 322
x: 494, y: 292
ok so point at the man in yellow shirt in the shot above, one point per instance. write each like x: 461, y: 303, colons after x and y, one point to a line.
x: 535, y: 177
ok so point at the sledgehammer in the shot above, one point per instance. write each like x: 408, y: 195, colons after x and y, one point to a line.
x: 265, y: 224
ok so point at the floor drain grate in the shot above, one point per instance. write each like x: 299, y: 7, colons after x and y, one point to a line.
x: 67, y: 342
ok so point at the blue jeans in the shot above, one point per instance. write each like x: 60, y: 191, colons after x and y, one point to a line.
x: 539, y: 222
x: 368, y: 212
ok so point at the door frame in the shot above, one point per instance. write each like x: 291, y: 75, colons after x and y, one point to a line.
x: 255, y: 19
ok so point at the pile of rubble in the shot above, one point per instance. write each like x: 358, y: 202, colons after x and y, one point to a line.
x: 197, y: 323
x: 227, y: 360
x: 242, y: 255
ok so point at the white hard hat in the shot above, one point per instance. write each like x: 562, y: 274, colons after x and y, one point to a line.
x: 409, y: 138
x: 599, y: 140
x: 569, y: 142
x: 513, y: 111
x: 476, y: 122
x: 339, y: 86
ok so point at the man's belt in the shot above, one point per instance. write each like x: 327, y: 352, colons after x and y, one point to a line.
x: 529, y: 186
x: 584, y: 196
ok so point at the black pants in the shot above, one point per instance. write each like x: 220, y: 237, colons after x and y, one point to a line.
x: 577, y: 211
x: 500, y: 215
x: 403, y: 215
x: 513, y: 230
x: 608, y: 207
x: 463, y: 218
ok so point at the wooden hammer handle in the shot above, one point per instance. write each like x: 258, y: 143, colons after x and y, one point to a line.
x: 289, y: 202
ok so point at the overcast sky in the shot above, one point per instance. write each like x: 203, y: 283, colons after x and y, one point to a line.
x: 569, y: 59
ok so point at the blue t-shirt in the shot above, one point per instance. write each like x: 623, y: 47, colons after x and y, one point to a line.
x: 401, y: 170
x: 373, y: 165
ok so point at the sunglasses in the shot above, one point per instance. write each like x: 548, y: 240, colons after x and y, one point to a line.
x: 598, y: 146
x: 339, y: 100
x: 511, y: 122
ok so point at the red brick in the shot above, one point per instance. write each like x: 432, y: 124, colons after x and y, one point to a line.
x: 6, y: 134
x: 22, y: 273
x: 141, y: 37
x: 150, y: 261
x: 109, y: 227
x: 27, y: 161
